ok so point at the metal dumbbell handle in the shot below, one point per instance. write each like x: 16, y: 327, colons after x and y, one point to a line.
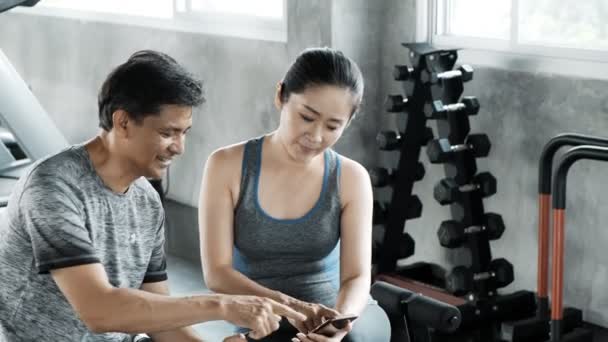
x: 475, y: 229
x: 461, y: 147
x: 449, y: 74
x: 468, y: 187
x: 453, y: 107
x: 484, y: 275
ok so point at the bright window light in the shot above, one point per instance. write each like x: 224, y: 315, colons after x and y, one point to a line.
x: 568, y: 37
x: 142, y: 8
x: 262, y: 8
x: 479, y: 18
x: 564, y: 23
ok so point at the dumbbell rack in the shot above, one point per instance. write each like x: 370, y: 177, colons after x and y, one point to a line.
x: 462, y: 168
x: 403, y: 205
x: 484, y: 307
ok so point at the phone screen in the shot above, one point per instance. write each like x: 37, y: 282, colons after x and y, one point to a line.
x: 338, y: 322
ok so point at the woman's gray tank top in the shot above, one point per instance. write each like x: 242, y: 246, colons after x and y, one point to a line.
x: 299, y: 257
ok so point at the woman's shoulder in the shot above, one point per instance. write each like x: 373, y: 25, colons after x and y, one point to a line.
x: 354, y: 180
x: 351, y: 169
x: 228, y: 154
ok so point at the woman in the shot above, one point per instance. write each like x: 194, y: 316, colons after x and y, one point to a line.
x: 283, y: 216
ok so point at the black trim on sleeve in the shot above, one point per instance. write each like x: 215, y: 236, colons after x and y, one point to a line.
x: 155, y: 278
x: 45, y: 268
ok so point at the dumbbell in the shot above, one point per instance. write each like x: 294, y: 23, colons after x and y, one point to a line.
x: 437, y: 110
x: 388, y: 140
x: 441, y: 151
x: 416, y: 59
x: 380, y: 212
x: 405, y: 248
x: 395, y: 103
x: 462, y: 279
x: 402, y: 72
x: 391, y: 140
x: 381, y: 177
x: 465, y: 72
x: 448, y: 191
x: 453, y: 233
x: 413, y: 209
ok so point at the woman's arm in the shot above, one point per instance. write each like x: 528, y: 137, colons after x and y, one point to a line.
x: 356, y: 238
x: 221, y: 176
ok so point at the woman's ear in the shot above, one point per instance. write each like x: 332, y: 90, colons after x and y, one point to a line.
x: 278, y: 102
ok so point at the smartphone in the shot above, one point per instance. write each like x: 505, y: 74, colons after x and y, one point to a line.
x: 339, y: 322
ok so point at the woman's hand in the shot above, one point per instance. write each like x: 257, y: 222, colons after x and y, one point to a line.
x: 236, y: 338
x: 327, y: 334
x: 315, y: 315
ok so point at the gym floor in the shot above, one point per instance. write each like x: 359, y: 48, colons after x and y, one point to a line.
x: 186, y: 278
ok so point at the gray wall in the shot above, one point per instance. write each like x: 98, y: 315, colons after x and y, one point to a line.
x: 65, y: 61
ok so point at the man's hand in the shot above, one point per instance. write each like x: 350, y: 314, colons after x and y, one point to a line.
x: 261, y: 315
x: 315, y: 315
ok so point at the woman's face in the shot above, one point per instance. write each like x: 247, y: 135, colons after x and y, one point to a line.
x: 313, y: 120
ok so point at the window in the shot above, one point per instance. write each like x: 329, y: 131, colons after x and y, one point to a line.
x: 266, y: 8
x: 157, y: 9
x: 558, y: 36
x: 264, y: 19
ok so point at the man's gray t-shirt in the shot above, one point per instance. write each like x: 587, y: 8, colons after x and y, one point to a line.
x: 60, y: 214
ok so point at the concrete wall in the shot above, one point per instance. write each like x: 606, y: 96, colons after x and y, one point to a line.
x: 65, y: 61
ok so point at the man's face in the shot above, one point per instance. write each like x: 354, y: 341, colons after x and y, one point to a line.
x: 152, y: 143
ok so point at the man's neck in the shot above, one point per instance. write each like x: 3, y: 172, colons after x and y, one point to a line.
x: 113, y: 169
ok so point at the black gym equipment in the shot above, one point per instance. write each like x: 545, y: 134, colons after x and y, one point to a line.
x: 402, y: 72
x: 388, y: 140
x: 559, y: 208
x: 441, y: 151
x: 536, y: 328
x: 447, y: 191
x: 464, y: 73
x: 395, y: 103
x: 473, y: 314
x: 381, y: 177
x: 435, y: 110
x: 439, y: 99
x: 453, y: 234
x: 462, y: 279
x: 405, y: 308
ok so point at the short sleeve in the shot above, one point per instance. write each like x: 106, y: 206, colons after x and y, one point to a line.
x: 49, y: 212
x: 157, y: 267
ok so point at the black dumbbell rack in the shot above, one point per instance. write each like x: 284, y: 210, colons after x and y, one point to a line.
x: 483, y: 307
x: 408, y: 143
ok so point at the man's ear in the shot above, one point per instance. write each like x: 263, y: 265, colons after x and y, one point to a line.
x: 120, y: 122
x: 278, y: 102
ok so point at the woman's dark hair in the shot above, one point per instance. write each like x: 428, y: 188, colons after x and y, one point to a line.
x: 145, y: 82
x: 322, y: 66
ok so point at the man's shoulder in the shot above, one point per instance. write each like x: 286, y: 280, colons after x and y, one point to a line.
x: 63, y: 165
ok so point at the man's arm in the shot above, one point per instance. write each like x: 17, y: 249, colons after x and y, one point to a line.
x: 104, y: 308
x: 185, y: 334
